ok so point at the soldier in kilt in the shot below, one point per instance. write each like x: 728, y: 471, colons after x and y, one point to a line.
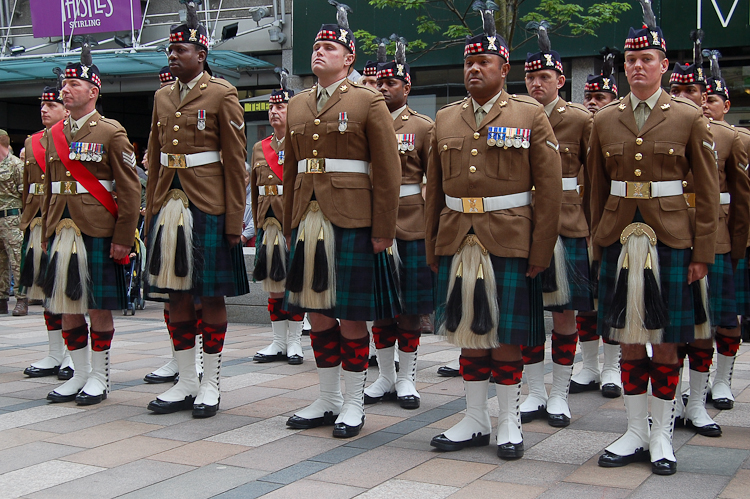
x: 88, y: 236
x: 342, y: 164
x: 486, y: 240
x: 271, y: 259
x: 195, y: 204
x: 716, y: 105
x: 599, y: 91
x: 58, y: 361
x: 566, y: 282
x: 688, y: 81
x: 415, y: 279
x: 169, y: 372
x: 652, y: 255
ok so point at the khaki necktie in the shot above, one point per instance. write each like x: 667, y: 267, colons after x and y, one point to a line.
x: 73, y: 127
x: 322, y: 98
x: 479, y: 115
x: 184, y: 90
x: 641, y: 112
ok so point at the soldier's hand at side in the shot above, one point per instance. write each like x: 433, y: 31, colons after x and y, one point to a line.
x: 118, y: 251
x: 696, y: 271
x: 533, y: 270
x: 434, y: 267
x: 379, y: 244
x: 44, y: 246
x: 233, y: 240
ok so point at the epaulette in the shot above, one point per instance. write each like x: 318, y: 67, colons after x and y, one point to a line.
x: 579, y: 107
x: 417, y: 115
x: 614, y: 103
x: 525, y: 99
x: 682, y: 100
x: 457, y: 103
x: 110, y: 122
x: 362, y: 87
x: 724, y: 124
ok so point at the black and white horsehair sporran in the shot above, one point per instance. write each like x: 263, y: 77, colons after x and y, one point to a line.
x: 472, y: 312
x: 559, y: 293
x: 171, y: 262
x: 271, y: 268
x: 311, y: 280
x: 67, y: 282
x: 34, y: 267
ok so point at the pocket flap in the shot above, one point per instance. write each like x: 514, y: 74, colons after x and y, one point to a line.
x: 351, y: 181
x: 451, y: 143
x: 669, y: 148
x: 613, y: 149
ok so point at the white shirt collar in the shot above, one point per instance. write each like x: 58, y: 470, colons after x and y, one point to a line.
x: 395, y: 114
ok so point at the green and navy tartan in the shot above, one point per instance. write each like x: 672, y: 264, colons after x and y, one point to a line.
x: 521, y: 318
x: 742, y: 286
x: 577, y: 260
x: 673, y: 271
x: 721, y: 293
x: 218, y: 269
x: 107, y: 285
x: 355, y: 276
x: 416, y: 278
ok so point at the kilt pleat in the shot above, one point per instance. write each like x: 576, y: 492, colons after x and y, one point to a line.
x: 416, y: 278
x: 521, y: 318
x: 742, y: 287
x: 673, y: 269
x: 721, y: 292
x: 579, y: 282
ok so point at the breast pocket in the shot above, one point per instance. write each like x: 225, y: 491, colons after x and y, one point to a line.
x: 161, y: 125
x: 297, y: 132
x: 666, y: 154
x: 569, y: 154
x: 504, y: 163
x: 339, y: 143
x: 199, y: 136
x: 613, y: 158
x: 450, y: 156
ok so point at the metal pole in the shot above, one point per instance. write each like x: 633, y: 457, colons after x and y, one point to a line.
x: 10, y: 23
x: 143, y: 21
x: 132, y: 25
x: 216, y: 24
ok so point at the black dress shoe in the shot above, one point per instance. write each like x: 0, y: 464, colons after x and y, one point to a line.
x: 155, y: 378
x: 37, y: 372
x: 448, y: 372
x: 65, y: 373
x: 441, y: 442
x: 579, y: 388
x: 409, y: 402
x: 342, y: 430
x: 298, y: 423
x: 611, y: 391
x: 664, y: 467
x: 306, y: 332
x: 510, y: 451
x: 262, y: 358
x: 723, y: 404
x: 612, y: 460
x: 558, y: 420
x: 373, y: 361
x: 57, y: 398
x: 385, y: 397
x: 528, y: 417
x: 296, y: 360
x: 84, y: 398
x: 163, y: 407
x: 205, y: 411
x: 710, y: 430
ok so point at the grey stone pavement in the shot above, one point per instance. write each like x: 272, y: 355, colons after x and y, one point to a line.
x: 119, y: 449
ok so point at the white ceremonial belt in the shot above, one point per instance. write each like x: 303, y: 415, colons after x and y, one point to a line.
x: 494, y: 203
x: 36, y: 189
x: 570, y: 184
x: 189, y: 160
x: 270, y: 190
x: 646, y: 190
x: 328, y: 165
x: 725, y: 198
x: 410, y: 190
x: 76, y: 187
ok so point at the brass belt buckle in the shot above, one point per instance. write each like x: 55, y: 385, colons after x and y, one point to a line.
x: 638, y: 190
x: 39, y: 189
x: 316, y: 165
x: 272, y: 190
x: 473, y: 205
x: 176, y: 161
x: 69, y: 188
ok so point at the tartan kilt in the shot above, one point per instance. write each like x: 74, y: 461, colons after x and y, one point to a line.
x: 673, y: 271
x: 356, y: 288
x: 107, y: 285
x: 521, y: 318
x: 579, y: 281
x: 416, y: 278
x: 742, y: 287
x: 721, y: 293
x: 219, y: 270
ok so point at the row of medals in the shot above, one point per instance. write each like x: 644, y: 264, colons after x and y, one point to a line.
x: 93, y: 152
x: 516, y: 142
x: 405, y: 146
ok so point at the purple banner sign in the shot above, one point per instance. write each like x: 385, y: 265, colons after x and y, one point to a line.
x: 57, y: 17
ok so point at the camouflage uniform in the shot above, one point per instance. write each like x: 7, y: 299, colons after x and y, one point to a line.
x: 11, y: 237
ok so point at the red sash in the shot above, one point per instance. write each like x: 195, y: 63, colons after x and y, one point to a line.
x: 38, y: 150
x: 272, y: 158
x: 79, y: 172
